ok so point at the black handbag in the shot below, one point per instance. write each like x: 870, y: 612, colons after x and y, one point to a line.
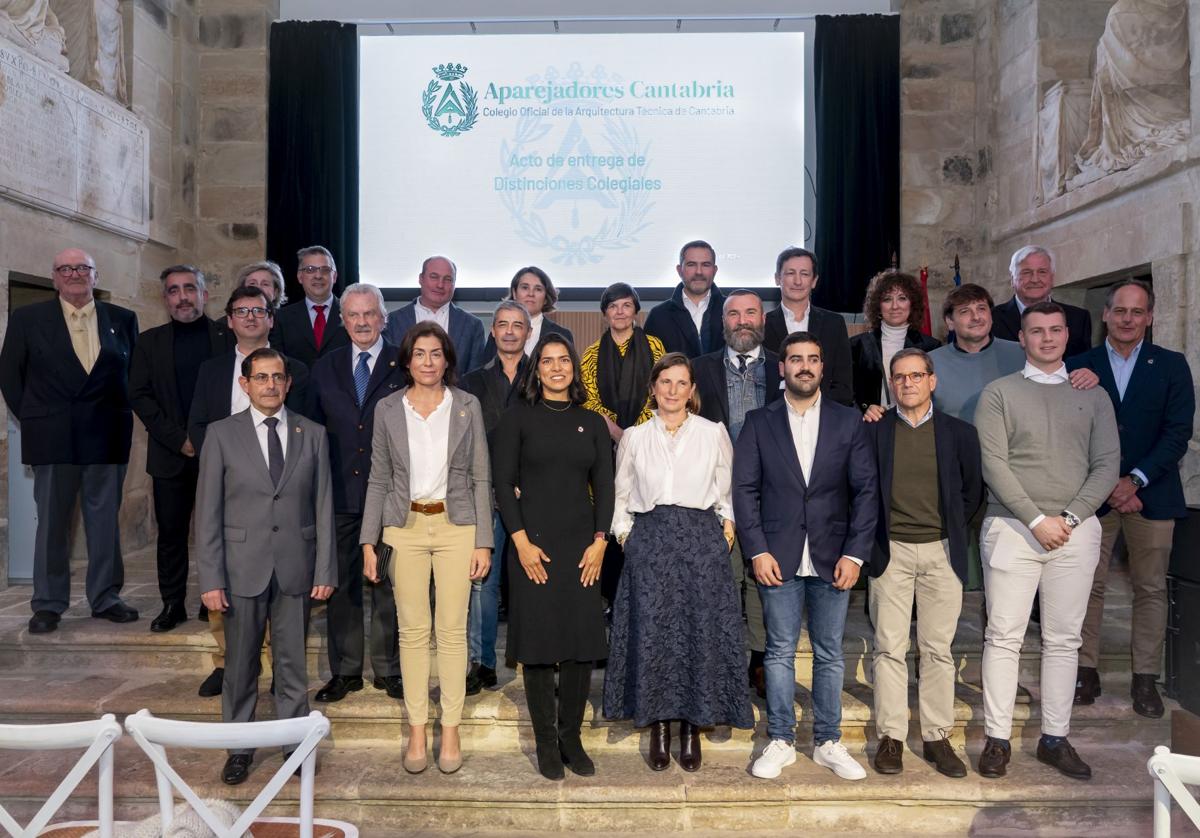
x: 383, y: 562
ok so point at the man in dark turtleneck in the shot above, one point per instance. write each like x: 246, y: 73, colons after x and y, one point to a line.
x: 162, y: 380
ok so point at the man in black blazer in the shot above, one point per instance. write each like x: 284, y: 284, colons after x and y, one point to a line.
x: 742, y: 376
x: 796, y: 275
x: 1151, y: 392
x: 64, y: 372
x: 343, y: 390
x: 805, y: 498
x: 930, y: 487
x: 691, y: 322
x: 311, y: 328
x: 162, y: 381
x: 219, y: 394
x: 1032, y: 271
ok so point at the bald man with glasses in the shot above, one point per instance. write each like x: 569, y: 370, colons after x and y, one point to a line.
x: 64, y: 372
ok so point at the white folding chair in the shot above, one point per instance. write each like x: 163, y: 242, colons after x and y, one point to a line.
x: 1170, y: 772
x: 154, y: 735
x: 97, y: 737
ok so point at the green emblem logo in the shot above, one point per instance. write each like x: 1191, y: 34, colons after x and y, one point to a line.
x: 448, y: 109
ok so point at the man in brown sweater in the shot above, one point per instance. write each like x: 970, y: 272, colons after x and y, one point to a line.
x: 1050, y: 458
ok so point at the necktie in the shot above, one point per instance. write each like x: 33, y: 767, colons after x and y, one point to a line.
x: 319, y: 325
x: 742, y: 363
x: 362, y: 374
x: 274, y: 450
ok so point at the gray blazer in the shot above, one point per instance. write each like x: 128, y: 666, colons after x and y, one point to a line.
x: 246, y: 528
x: 469, y: 487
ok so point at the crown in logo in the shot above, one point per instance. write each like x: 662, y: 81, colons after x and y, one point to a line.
x: 450, y: 72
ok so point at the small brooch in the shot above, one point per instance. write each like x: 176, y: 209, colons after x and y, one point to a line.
x: 580, y: 429
x: 462, y: 413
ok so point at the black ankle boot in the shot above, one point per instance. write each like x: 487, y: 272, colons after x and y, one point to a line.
x: 539, y: 696
x: 574, y: 683
x: 689, y: 746
x: 660, y: 745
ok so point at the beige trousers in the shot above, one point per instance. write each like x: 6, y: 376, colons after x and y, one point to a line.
x: 216, y: 625
x: 1149, y: 546
x: 431, y: 544
x: 922, y: 571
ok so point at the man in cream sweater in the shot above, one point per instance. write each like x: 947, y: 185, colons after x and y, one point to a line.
x: 1051, y: 456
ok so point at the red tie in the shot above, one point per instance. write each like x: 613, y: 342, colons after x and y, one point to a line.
x: 319, y: 325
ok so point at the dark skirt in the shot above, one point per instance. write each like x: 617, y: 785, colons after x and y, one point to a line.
x: 676, y: 650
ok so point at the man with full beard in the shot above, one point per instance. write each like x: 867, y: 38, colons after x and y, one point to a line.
x: 740, y: 377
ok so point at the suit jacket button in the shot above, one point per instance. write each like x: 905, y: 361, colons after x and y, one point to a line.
x: 360, y: 427
x: 356, y: 472
x: 362, y: 451
x: 274, y: 529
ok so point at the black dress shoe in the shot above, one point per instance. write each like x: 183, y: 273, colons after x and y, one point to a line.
x: 392, y: 684
x: 889, y: 758
x: 337, y: 688
x: 172, y: 615
x: 941, y: 753
x: 575, y: 757
x: 689, y: 746
x: 758, y: 680
x: 43, y: 622
x: 487, y: 677
x: 474, y: 685
x: 660, y: 745
x: 1063, y: 757
x: 993, y: 762
x: 118, y: 613
x: 1146, y: 700
x: 213, y: 683
x: 237, y: 769
x: 1087, y: 685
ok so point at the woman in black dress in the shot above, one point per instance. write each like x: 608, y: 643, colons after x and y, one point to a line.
x: 552, y: 463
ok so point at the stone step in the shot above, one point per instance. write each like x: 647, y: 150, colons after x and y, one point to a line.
x: 498, y: 792
x: 499, y: 719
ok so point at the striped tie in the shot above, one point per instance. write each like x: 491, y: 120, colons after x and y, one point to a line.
x: 362, y: 375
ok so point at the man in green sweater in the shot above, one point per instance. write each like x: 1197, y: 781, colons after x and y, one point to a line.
x: 1051, y: 456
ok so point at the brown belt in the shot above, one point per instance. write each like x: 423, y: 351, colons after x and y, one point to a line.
x: 428, y: 508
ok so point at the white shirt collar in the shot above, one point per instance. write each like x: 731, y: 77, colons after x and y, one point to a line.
x: 1021, y: 306
x: 430, y: 313
x: 1034, y: 374
x: 373, y: 350
x: 327, y: 302
x: 1112, y: 351
x: 751, y: 355
x: 700, y: 306
x: 813, y: 408
x: 258, y: 416
x: 928, y: 415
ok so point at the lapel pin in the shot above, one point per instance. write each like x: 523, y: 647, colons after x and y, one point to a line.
x: 580, y: 429
x: 298, y: 429
x: 113, y: 331
x: 1149, y: 360
x: 392, y: 364
x: 462, y: 413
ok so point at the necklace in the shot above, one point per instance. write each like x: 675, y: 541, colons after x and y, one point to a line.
x: 546, y: 405
x: 674, y: 430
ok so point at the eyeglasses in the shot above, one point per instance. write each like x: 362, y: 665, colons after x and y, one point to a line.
x: 246, y: 311
x: 264, y: 377
x: 67, y: 270
x: 323, y: 270
x: 915, y: 377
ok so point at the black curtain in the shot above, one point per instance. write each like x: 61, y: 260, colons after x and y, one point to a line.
x: 312, y: 146
x: 857, y: 83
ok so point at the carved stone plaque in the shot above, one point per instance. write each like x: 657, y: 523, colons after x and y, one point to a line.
x: 69, y: 150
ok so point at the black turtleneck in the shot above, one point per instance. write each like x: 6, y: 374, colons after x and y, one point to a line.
x: 192, y: 348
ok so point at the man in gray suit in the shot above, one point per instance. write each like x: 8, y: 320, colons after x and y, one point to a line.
x: 264, y: 539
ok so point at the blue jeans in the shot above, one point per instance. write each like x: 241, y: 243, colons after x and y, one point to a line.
x: 783, y: 609
x: 485, y: 604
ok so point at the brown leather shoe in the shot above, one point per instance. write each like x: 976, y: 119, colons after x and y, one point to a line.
x: 1063, y: 757
x: 993, y: 762
x: 889, y: 759
x: 689, y: 746
x: 660, y: 745
x: 1146, y: 700
x: 1087, y: 685
x: 941, y: 753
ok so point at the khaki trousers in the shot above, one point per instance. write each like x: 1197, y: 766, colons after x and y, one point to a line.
x: 431, y: 544
x: 1015, y: 567
x: 1149, y: 546
x: 216, y: 625
x: 922, y: 571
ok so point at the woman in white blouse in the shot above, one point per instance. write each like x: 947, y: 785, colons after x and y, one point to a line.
x: 429, y: 498
x: 676, y: 644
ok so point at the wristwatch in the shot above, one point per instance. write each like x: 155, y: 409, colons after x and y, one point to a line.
x: 1071, y: 518
x: 1136, y: 480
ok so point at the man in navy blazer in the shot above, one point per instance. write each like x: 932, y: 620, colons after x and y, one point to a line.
x: 1151, y: 392
x: 343, y: 390
x: 1032, y: 271
x: 805, y: 498
x: 64, y: 372
x: 690, y: 322
x: 437, y: 278
x: 311, y: 328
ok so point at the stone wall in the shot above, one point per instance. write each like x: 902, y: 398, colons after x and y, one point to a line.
x: 974, y: 77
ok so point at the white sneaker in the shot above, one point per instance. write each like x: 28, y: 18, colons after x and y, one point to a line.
x: 777, y: 756
x: 835, y: 757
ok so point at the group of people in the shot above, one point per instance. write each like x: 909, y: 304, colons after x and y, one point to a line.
x: 721, y: 476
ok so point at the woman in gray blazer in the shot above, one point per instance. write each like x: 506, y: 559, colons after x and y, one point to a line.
x: 429, y: 498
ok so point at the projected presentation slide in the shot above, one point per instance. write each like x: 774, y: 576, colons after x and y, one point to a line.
x: 592, y: 156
